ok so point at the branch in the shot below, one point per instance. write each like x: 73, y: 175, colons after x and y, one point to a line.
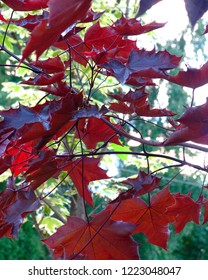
x: 58, y: 215
x: 152, y: 142
x: 146, y: 154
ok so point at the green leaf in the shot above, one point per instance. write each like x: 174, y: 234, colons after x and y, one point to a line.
x: 118, y: 148
x: 50, y: 224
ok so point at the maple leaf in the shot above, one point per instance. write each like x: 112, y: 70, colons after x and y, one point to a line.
x: 145, y: 5
x: 138, y: 105
x: 50, y: 65
x: 193, y: 126
x: 93, y: 130
x: 82, y: 172
x: 67, y: 12
x: 143, y: 109
x: 20, y: 155
x: 92, y: 16
x: 150, y: 219
x: 43, y: 79
x: 5, y: 163
x: 17, y: 118
x: 17, y: 206
x: 131, y: 96
x: 185, y: 210
x: 205, y: 212
x: 41, y: 122
x: 195, y: 9
x: 30, y: 21
x: 47, y: 32
x: 35, y: 175
x: 121, y: 107
x: 89, y: 112
x: 26, y: 5
x: 143, y: 183
x: 145, y: 63
x: 101, y: 38
x: 192, y: 77
x: 101, y: 239
x: 129, y: 27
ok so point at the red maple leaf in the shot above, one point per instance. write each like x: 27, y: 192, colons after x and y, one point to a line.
x: 93, y: 130
x: 26, y: 5
x: 205, y: 212
x: 185, y: 210
x: 192, y: 77
x: 82, y: 172
x: 150, y: 219
x: 30, y: 21
x: 193, y: 126
x: 20, y: 155
x: 47, y: 32
x: 101, y: 239
x: 35, y: 175
x: 143, y: 183
x: 50, y: 65
x: 15, y: 205
x: 5, y: 163
x: 129, y: 27
x: 43, y: 79
x: 144, y: 63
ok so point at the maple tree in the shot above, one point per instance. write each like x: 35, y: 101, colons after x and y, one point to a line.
x: 66, y: 134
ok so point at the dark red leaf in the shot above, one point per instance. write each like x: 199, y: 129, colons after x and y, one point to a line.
x: 67, y: 12
x: 92, y: 16
x: 101, y: 38
x: 205, y: 212
x: 60, y: 89
x: 101, y: 239
x: 196, y: 9
x: 146, y: 5
x: 92, y: 131
x: 30, y: 22
x: 143, y: 183
x: 36, y: 176
x: 192, y: 77
x: 129, y: 27
x: 185, y: 210
x: 76, y: 48
x: 144, y: 63
x: 42, y: 122
x: 82, y: 172
x: 50, y: 65
x: 150, y: 219
x: 20, y: 156
x: 193, y: 126
x: 17, y: 118
x: 60, y: 18
x: 89, y: 112
x: 143, y: 109
x: 131, y: 96
x: 26, y: 5
x: 18, y: 205
x: 5, y: 163
x: 121, y: 107
x: 43, y: 79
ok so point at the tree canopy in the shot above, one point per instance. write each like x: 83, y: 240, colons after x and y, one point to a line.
x: 86, y: 149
